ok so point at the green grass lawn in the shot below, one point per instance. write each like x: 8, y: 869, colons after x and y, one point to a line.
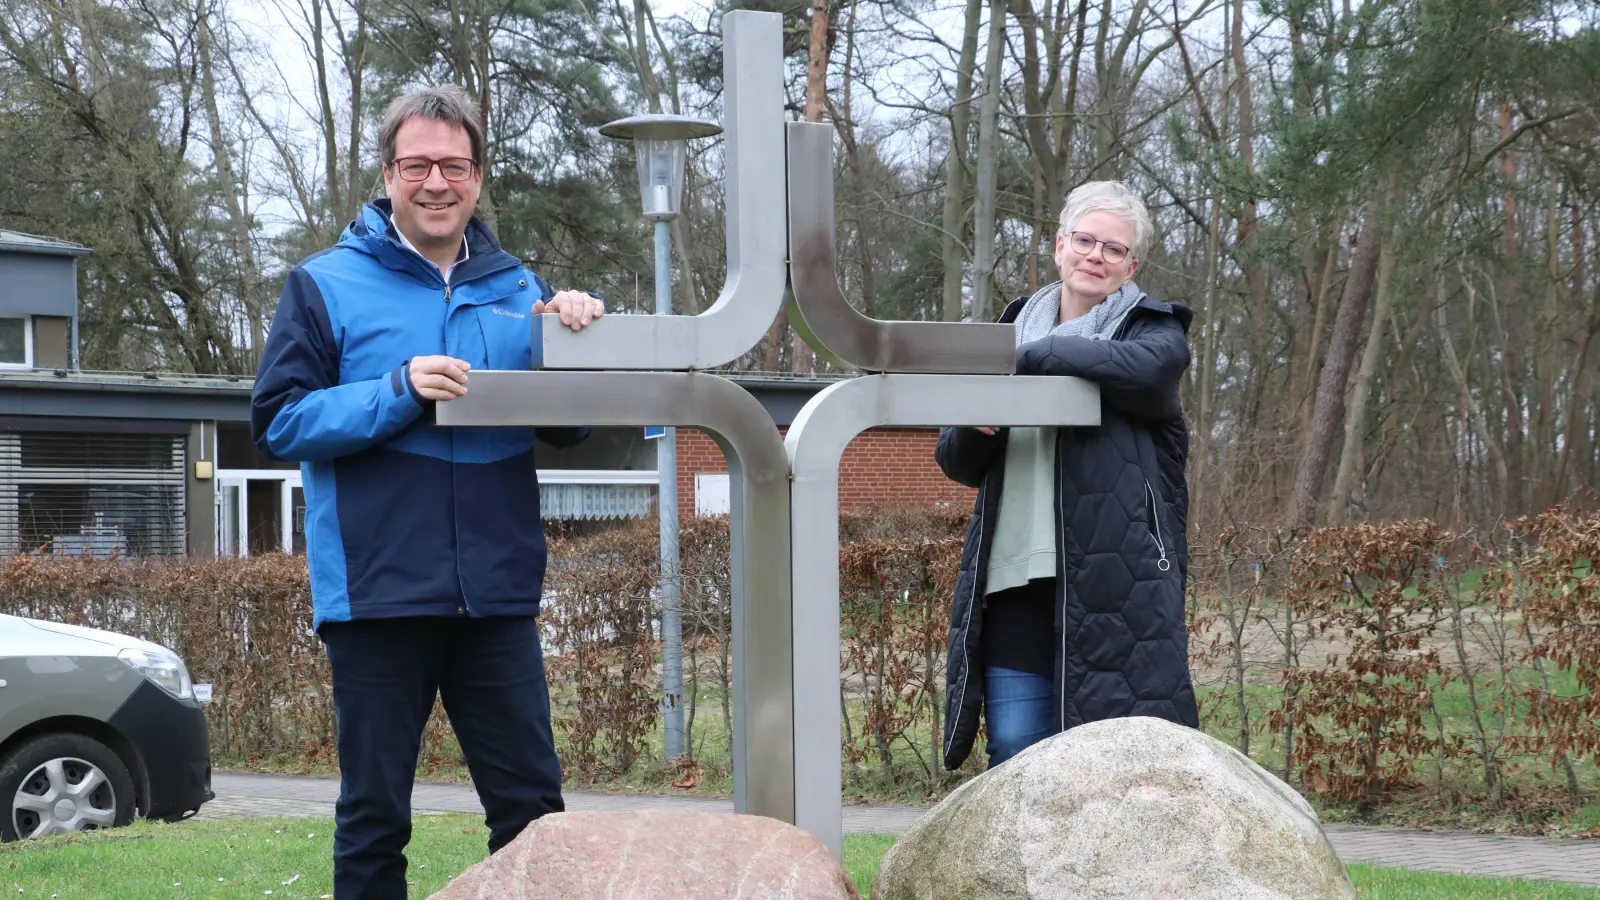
x: 292, y: 858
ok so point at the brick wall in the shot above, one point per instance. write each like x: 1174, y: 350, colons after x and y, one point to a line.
x: 697, y: 452
x: 881, y: 467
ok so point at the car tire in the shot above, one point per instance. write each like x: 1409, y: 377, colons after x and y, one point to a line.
x: 55, y: 769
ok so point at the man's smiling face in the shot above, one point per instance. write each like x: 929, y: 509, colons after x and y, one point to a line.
x: 432, y: 212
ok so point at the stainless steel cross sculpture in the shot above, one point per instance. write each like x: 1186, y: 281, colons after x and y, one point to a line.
x: 649, y: 370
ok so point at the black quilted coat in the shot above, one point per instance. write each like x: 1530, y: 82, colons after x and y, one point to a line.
x: 1122, y: 550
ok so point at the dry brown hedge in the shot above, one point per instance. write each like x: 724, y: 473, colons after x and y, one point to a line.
x: 1326, y: 655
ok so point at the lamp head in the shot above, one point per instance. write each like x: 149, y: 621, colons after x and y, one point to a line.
x: 660, y: 141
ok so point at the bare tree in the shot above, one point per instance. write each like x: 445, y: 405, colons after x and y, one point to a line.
x: 247, y: 275
x: 958, y: 168
x: 1049, y: 123
x: 1355, y: 420
x: 984, y: 223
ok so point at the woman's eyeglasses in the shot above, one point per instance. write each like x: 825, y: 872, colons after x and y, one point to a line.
x: 1082, y: 243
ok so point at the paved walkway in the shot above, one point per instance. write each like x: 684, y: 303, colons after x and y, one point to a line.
x: 1550, y: 859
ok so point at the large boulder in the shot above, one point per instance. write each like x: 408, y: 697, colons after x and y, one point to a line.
x: 1123, y: 808
x: 656, y: 855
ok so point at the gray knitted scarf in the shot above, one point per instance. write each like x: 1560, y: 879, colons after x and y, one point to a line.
x: 1039, y: 315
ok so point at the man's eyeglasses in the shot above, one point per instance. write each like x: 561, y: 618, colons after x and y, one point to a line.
x: 1082, y: 243
x: 417, y: 168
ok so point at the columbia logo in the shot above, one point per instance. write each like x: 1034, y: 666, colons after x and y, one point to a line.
x: 506, y: 312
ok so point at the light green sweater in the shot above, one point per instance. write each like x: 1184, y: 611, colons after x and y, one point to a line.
x: 1024, y: 545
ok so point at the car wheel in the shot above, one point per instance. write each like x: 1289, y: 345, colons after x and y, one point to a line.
x: 60, y: 783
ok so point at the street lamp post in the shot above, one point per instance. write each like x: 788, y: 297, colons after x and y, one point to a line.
x: 661, y: 144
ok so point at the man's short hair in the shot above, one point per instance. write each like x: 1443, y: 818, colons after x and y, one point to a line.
x: 445, y: 103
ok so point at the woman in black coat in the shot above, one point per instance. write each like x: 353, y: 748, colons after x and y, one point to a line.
x: 1069, y: 606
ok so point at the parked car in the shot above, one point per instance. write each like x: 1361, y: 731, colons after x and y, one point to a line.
x: 95, y: 728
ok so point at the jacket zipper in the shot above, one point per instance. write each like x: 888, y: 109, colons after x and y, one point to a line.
x: 1061, y: 584
x: 1155, y: 516
x: 444, y: 328
x: 444, y: 344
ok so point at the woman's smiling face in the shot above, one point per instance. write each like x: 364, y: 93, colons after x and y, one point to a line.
x: 1096, y: 255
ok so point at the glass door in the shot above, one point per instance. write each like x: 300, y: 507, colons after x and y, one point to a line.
x: 263, y: 509
x: 260, y: 511
x: 231, y: 524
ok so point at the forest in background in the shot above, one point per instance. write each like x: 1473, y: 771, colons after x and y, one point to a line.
x: 1383, y: 213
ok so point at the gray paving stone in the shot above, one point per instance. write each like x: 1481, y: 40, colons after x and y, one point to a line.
x: 1550, y: 859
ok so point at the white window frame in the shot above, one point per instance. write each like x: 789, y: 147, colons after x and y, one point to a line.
x: 597, y: 476
x: 27, y: 344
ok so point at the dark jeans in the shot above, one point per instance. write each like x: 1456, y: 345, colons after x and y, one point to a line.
x: 1017, y: 711
x: 386, y: 674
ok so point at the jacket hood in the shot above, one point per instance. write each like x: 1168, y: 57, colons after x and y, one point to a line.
x: 1182, y: 313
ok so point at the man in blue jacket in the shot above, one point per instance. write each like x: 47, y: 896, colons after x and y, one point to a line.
x: 425, y: 544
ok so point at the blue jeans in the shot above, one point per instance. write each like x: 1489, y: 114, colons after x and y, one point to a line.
x: 386, y: 674
x: 1018, y: 711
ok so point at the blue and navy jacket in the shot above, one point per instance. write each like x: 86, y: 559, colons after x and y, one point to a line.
x: 403, y: 517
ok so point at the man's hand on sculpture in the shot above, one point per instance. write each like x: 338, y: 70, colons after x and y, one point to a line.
x: 576, y: 308
x: 439, y: 377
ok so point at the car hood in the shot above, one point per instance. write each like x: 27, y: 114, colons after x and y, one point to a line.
x: 35, y: 637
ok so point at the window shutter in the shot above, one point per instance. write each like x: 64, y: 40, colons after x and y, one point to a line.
x: 92, y: 494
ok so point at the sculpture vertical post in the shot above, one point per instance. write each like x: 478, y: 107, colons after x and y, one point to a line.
x: 987, y: 394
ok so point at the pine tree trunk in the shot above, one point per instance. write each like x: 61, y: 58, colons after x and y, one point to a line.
x: 817, y: 61
x: 1355, y: 423
x: 1514, y: 330
x: 1328, y: 415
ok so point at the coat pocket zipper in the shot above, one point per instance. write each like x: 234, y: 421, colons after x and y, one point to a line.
x: 1155, y: 527
x: 483, y: 335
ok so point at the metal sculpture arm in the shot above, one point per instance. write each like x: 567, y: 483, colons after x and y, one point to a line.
x: 827, y: 321
x: 753, y: 293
